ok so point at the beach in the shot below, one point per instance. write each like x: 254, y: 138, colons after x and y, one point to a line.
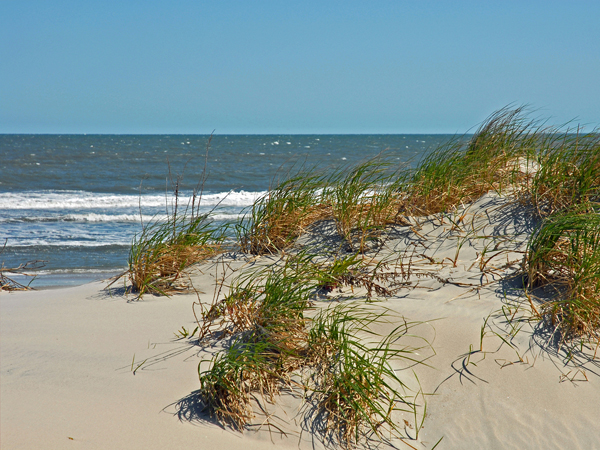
x: 451, y: 305
x: 299, y: 225
x: 91, y: 368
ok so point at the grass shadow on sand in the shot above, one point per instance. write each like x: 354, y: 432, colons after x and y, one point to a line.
x: 193, y: 409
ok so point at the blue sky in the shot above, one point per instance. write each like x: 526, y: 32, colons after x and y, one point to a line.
x: 293, y: 66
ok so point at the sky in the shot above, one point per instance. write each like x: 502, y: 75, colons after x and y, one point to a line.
x: 293, y: 67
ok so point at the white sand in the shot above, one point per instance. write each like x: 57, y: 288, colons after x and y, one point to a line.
x: 67, y: 381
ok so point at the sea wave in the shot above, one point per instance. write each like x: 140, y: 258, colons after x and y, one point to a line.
x: 53, y: 200
x: 91, y: 217
x: 41, y: 272
x: 38, y: 243
x: 108, y: 218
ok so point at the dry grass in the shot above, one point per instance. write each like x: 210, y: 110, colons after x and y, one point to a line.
x: 569, y: 172
x: 163, y: 250
x: 463, y: 170
x: 276, y: 220
x: 355, y: 393
x: 7, y: 283
x: 555, y: 170
x: 160, y: 254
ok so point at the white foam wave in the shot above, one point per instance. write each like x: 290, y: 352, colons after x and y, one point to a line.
x: 92, y: 217
x: 41, y: 200
x: 107, y: 218
x: 224, y: 217
x: 77, y: 271
x: 73, y: 243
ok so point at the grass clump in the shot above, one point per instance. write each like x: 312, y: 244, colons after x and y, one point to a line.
x: 8, y: 283
x: 569, y: 172
x: 355, y: 390
x: 360, y: 200
x: 266, y: 315
x: 463, y: 170
x: 564, y: 253
x: 350, y: 388
x: 248, y: 366
x: 363, y: 201
x: 163, y: 250
x: 280, y: 216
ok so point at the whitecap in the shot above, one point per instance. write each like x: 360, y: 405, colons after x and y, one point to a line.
x: 54, y: 200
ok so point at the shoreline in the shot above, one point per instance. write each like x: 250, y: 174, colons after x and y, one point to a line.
x: 45, y: 282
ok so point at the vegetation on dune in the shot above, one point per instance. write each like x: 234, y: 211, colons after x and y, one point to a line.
x: 463, y: 170
x: 568, y: 177
x: 164, y: 249
x: 547, y: 168
x: 565, y: 253
x: 279, y: 341
x: 276, y: 220
x: 355, y: 390
x: 351, y: 390
x: 553, y: 170
x: 160, y: 254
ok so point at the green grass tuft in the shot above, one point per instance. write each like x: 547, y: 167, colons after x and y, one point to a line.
x: 564, y: 253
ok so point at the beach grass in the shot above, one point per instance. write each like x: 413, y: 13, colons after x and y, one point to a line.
x: 164, y: 249
x: 355, y: 392
x: 278, y: 336
x: 265, y: 313
x: 278, y: 343
x: 363, y: 200
x: 564, y: 254
x: 569, y: 172
x: 464, y: 169
x: 351, y: 387
x: 278, y: 218
x: 366, y: 198
x: 552, y: 170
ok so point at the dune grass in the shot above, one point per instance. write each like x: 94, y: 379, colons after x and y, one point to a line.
x: 569, y: 172
x: 277, y: 219
x: 7, y: 274
x: 277, y: 343
x: 363, y: 200
x: 354, y: 389
x: 360, y: 200
x: 274, y: 337
x: 265, y: 313
x: 553, y: 170
x: 463, y: 170
x: 564, y: 254
x: 164, y: 249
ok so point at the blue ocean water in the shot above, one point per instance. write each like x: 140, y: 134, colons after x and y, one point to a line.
x: 76, y: 201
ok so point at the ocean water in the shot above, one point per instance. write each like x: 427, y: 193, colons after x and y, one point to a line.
x: 76, y: 201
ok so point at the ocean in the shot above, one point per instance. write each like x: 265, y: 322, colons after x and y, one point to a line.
x: 76, y: 201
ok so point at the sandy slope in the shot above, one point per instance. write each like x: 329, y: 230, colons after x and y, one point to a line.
x: 67, y: 357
